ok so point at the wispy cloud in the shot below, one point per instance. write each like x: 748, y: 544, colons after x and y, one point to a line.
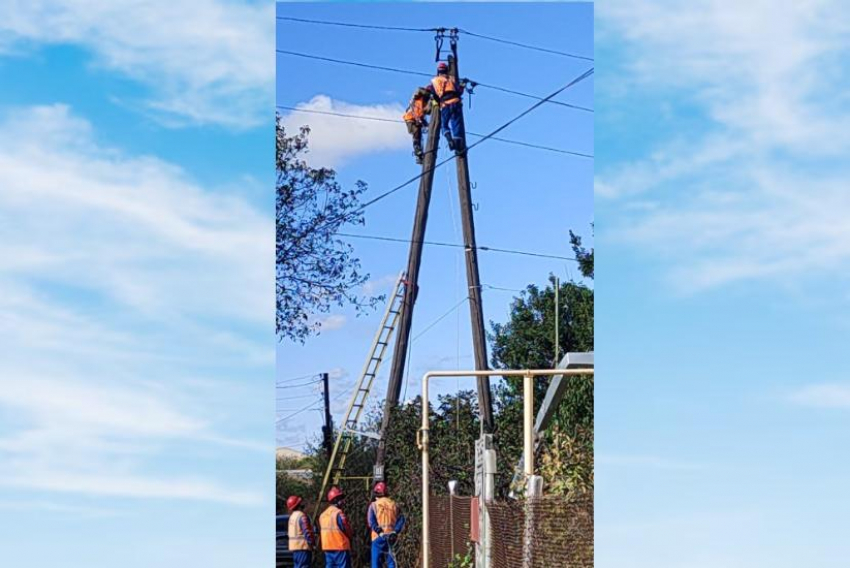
x: 335, y: 140
x: 106, y: 259
x: 333, y: 322
x: 825, y: 395
x: 382, y: 285
x: 204, y: 61
x: 757, y: 191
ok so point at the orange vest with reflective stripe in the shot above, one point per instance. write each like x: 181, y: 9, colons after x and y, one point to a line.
x: 446, y: 90
x: 386, y: 512
x: 332, y: 537
x: 297, y: 538
x: 415, y: 111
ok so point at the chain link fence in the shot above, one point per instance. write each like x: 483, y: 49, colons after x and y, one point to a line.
x: 560, y: 533
x: 450, y: 528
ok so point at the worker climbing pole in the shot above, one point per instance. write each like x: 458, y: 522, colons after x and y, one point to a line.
x: 447, y: 89
x: 414, y: 261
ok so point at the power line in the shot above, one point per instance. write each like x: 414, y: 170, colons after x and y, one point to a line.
x: 350, y: 25
x: 293, y: 379
x: 354, y: 63
x: 525, y: 45
x: 285, y: 418
x: 455, y: 245
x: 439, y: 319
x: 290, y: 386
x: 528, y: 96
x: 311, y: 395
x: 489, y: 287
x: 379, y: 119
x: 407, y: 29
x: 421, y: 74
x: 575, y: 81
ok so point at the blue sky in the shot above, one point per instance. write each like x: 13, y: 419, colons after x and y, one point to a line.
x: 514, y: 186
x: 136, y: 296
x: 721, y: 203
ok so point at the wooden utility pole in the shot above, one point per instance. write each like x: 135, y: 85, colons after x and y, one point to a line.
x: 328, y: 429
x: 476, y: 313
x: 411, y: 288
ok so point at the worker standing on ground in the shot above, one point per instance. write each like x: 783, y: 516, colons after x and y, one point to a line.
x: 415, y: 119
x: 302, y: 539
x: 336, y: 532
x: 386, y: 521
x: 448, y: 95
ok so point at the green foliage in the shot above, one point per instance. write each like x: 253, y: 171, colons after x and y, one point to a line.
x: 527, y: 341
x: 463, y: 560
x: 567, y: 462
x: 583, y: 256
x: 316, y: 270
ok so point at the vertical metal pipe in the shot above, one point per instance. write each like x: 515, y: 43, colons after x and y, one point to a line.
x: 527, y: 425
x: 426, y: 481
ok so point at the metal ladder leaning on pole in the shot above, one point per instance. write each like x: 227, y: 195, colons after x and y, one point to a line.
x: 345, y: 437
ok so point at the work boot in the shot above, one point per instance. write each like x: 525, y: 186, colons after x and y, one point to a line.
x: 459, y: 147
x: 451, y: 142
x: 419, y: 159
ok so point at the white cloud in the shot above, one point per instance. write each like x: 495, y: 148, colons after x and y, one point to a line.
x: 113, y: 268
x: 827, y: 395
x: 382, y: 285
x: 133, y: 228
x: 334, y: 140
x: 333, y: 322
x: 204, y: 61
x: 760, y: 192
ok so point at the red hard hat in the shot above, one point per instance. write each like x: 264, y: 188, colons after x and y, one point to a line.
x: 292, y: 502
x: 335, y: 493
x: 442, y: 66
x: 381, y: 488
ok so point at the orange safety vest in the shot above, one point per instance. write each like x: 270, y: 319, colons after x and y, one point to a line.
x: 297, y: 538
x: 447, y: 92
x: 415, y: 111
x: 386, y: 512
x: 332, y: 537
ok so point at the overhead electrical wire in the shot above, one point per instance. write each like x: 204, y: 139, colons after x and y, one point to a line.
x: 291, y: 386
x: 285, y: 418
x: 439, y: 319
x: 454, y: 245
x: 294, y: 379
x: 379, y: 119
x: 421, y: 74
x: 525, y: 45
x: 459, y: 30
x: 350, y: 25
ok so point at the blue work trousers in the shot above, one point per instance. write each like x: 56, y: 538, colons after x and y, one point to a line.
x: 381, y: 553
x: 450, y: 119
x: 337, y: 559
x: 303, y: 558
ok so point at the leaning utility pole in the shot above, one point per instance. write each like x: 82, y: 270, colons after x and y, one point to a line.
x: 328, y: 428
x: 476, y: 313
x: 411, y: 288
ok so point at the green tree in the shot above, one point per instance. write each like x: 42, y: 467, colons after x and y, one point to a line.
x: 316, y: 270
x: 583, y: 256
x: 527, y: 341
